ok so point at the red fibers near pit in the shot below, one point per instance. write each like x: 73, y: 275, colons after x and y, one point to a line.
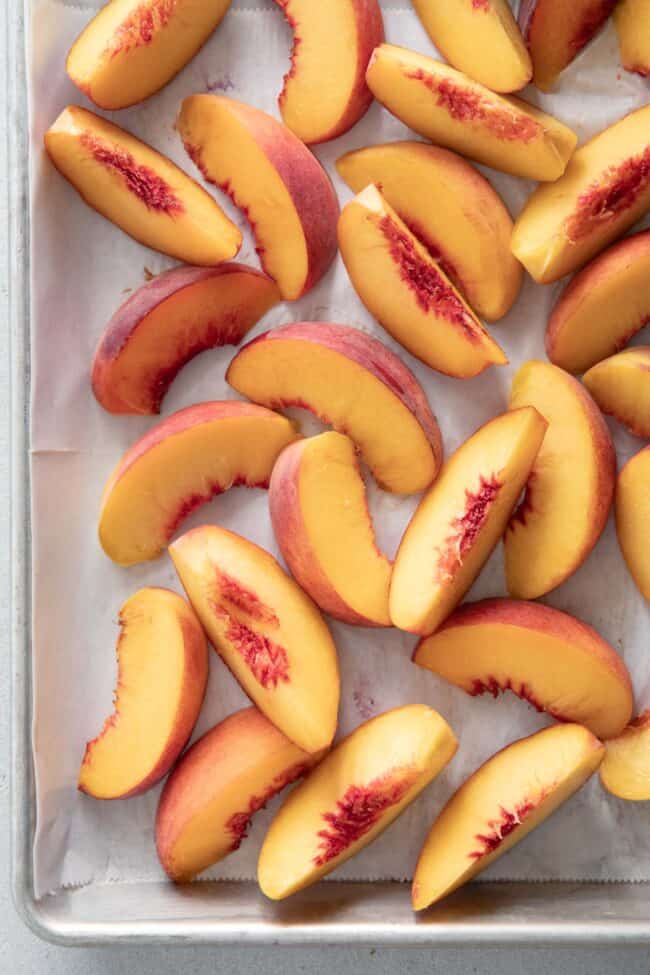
x: 189, y: 504
x: 140, y: 180
x: 481, y: 4
x: 494, y: 687
x: 266, y: 659
x: 442, y: 260
x: 612, y: 195
x: 297, y: 41
x: 466, y: 528
x: 239, y: 822
x: 141, y: 25
x: 593, y: 21
x: 244, y: 599
x: 500, y: 828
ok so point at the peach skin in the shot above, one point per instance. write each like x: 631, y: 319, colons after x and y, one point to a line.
x: 451, y: 110
x: 407, y: 291
x: 633, y: 518
x: 333, y: 40
x: 625, y: 771
x: 571, y: 485
x: 460, y: 520
x: 480, y: 38
x: 132, y: 48
x: 605, y: 189
x: 452, y: 209
x: 217, y: 787
x: 162, y: 659
x: 167, y: 322
x: 603, y: 307
x: 506, y: 798
x: 140, y: 190
x: 550, y: 659
x: 358, y: 790
x: 281, y: 188
x: 632, y: 20
x: 265, y: 629
x: 621, y: 387
x: 180, y: 464
x: 322, y: 524
x: 354, y: 383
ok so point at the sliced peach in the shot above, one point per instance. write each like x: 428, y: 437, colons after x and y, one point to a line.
x: 453, y: 111
x: 408, y: 292
x: 181, y: 463
x: 625, y: 771
x: 356, y: 384
x: 633, y: 518
x: 281, y: 187
x: 140, y: 190
x: 358, y: 790
x: 162, y: 659
x: 452, y: 209
x: 461, y: 519
x: 621, y: 387
x: 506, y: 798
x: 132, y: 48
x: 479, y: 37
x: 603, y: 307
x: 548, y: 658
x: 605, y: 189
x: 332, y: 41
x: 265, y: 629
x: 167, y: 322
x: 571, y: 486
x: 632, y: 20
x: 217, y: 787
x: 321, y: 521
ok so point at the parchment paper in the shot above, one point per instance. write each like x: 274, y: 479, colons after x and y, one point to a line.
x: 82, y: 268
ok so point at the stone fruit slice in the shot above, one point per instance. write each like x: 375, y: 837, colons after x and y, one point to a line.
x: 632, y: 20
x: 633, y: 518
x: 625, y: 771
x: 621, y: 387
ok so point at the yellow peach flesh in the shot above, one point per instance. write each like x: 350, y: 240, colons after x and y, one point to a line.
x: 625, y: 771
x: 633, y: 518
x: 621, y: 387
x: 632, y: 20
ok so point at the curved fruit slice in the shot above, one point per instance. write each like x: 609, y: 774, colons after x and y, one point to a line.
x: 605, y: 189
x: 274, y: 179
x: 321, y: 521
x: 556, y: 32
x: 461, y: 519
x: 181, y: 463
x: 167, y: 322
x: 621, y: 387
x: 356, y: 384
x: 548, y: 658
x: 453, y: 111
x: 332, y: 40
x: 353, y: 795
x: 162, y: 659
x: 479, y: 37
x: 132, y: 48
x: 408, y: 292
x: 632, y: 20
x: 217, y: 787
x: 633, y: 518
x: 267, y: 631
x: 506, y: 798
x: 625, y: 771
x: 603, y: 307
x: 571, y: 486
x: 140, y: 190
x: 452, y: 209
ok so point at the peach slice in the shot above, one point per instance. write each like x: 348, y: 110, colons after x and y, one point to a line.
x: 267, y: 631
x: 603, y: 307
x: 321, y: 521
x: 548, y: 658
x: 408, y: 292
x: 162, y: 658
x: 453, y: 111
x: 358, y: 790
x: 332, y: 41
x: 625, y: 771
x: 167, y: 322
x: 132, y: 48
x: 633, y: 518
x: 605, y: 189
x: 356, y: 384
x: 621, y: 387
x: 217, y: 787
x: 506, y: 798
x: 479, y: 37
x: 140, y: 190
x: 461, y: 518
x: 556, y: 32
x: 274, y: 179
x: 632, y: 20
x: 181, y: 463
x: 571, y: 486
x: 452, y: 209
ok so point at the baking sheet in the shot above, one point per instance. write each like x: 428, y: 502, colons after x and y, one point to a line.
x: 82, y: 268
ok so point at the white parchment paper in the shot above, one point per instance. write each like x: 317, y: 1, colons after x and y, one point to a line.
x: 82, y: 268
